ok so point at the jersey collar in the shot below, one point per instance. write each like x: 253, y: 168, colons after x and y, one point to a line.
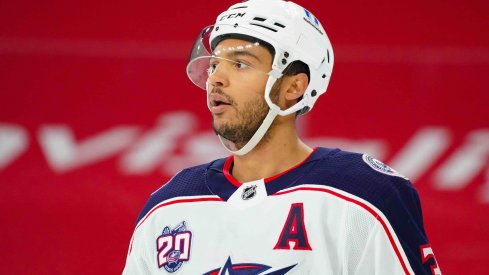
x: 220, y: 181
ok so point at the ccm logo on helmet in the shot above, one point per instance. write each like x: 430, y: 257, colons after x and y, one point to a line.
x: 233, y: 15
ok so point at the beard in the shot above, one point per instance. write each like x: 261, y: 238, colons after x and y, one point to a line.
x: 249, y: 118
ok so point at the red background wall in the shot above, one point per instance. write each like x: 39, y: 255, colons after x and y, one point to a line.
x: 96, y: 112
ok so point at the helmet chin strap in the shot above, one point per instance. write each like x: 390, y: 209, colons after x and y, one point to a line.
x: 255, y: 139
x: 265, y: 125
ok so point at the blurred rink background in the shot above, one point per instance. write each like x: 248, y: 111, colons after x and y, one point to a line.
x: 96, y: 112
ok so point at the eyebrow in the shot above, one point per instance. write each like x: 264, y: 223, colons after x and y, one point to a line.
x: 242, y: 53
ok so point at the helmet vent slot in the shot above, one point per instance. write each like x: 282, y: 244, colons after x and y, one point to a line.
x: 279, y: 25
x: 261, y: 19
x: 263, y: 26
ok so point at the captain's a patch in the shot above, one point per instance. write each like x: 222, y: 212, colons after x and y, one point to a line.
x: 379, y: 166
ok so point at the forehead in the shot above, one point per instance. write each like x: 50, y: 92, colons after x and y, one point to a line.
x: 231, y: 47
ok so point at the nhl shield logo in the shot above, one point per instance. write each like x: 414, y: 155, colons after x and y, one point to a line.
x: 249, y: 192
x: 173, y: 247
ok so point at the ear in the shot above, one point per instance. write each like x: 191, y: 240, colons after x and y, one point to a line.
x: 295, y: 86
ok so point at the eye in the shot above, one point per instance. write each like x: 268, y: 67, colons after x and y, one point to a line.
x: 212, y: 67
x: 241, y: 65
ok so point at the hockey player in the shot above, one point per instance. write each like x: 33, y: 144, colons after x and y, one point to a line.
x: 276, y: 206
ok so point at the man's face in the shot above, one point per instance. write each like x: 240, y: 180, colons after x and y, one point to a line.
x: 236, y: 88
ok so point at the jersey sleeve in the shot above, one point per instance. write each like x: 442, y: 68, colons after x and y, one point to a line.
x: 403, y: 229
x: 185, y: 183
x: 378, y: 257
x: 136, y: 261
x: 398, y: 213
x: 135, y: 264
x: 137, y: 258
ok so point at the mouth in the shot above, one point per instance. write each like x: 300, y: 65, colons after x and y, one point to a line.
x: 218, y: 103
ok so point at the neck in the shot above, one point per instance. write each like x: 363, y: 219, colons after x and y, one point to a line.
x: 278, y: 152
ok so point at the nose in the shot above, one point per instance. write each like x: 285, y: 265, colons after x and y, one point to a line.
x: 218, y: 78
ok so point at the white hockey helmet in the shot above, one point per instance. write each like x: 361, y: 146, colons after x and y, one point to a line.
x: 293, y: 32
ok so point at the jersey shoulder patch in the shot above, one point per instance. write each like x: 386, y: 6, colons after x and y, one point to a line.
x: 379, y: 166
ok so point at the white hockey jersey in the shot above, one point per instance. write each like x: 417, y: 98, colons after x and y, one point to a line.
x: 335, y: 213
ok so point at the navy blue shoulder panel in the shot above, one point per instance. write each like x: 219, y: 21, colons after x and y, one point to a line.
x: 349, y: 172
x: 188, y: 182
x: 393, y: 195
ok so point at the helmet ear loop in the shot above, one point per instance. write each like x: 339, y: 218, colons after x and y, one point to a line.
x: 273, y: 76
x: 298, y: 107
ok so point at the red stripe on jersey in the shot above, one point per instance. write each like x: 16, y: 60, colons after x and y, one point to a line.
x: 361, y: 204
x: 166, y: 204
x: 225, y: 170
x: 175, y: 202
